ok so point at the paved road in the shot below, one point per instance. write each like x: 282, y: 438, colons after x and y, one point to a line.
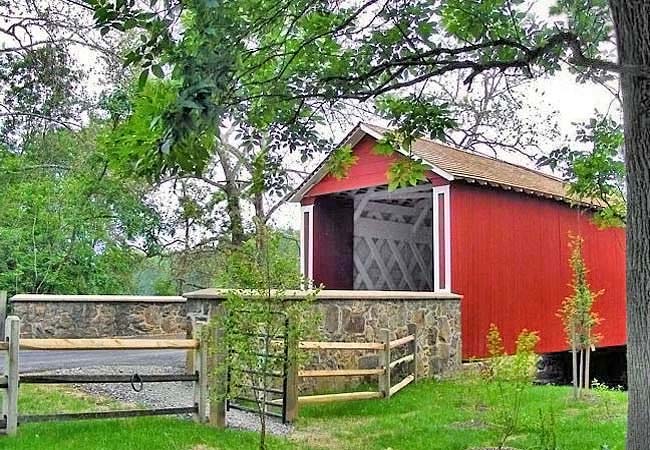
x: 35, y: 360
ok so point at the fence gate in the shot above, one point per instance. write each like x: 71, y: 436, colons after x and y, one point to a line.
x: 261, y: 382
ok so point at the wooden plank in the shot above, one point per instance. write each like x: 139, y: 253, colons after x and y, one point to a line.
x: 35, y: 418
x: 361, y: 272
x: 424, y: 268
x: 391, y: 208
x: 399, y: 386
x: 402, y: 341
x: 340, y: 373
x: 407, y: 274
x: 339, y: 397
x: 291, y: 385
x: 12, y: 334
x: 201, y: 386
x: 379, y: 261
x: 385, y: 382
x: 360, y: 203
x: 402, y: 360
x: 384, y: 229
x: 107, y: 344
x: 424, y: 213
x: 218, y: 360
x: 310, y: 345
x: 407, y: 192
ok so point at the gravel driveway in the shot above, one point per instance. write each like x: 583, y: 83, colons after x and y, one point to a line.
x: 161, y: 395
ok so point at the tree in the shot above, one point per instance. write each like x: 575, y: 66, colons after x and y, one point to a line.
x: 204, y: 190
x: 259, y: 319
x: 44, y: 86
x: 282, y: 65
x: 597, y: 174
x: 579, y: 319
x: 68, y: 225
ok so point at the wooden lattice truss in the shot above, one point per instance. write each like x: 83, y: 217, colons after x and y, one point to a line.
x: 393, y: 239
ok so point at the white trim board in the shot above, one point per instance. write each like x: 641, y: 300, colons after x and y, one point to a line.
x: 310, y: 255
x: 445, y: 191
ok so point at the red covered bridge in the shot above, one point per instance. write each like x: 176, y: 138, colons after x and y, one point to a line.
x: 494, y: 232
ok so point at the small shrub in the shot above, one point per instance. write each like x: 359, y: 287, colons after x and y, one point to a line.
x: 509, y: 376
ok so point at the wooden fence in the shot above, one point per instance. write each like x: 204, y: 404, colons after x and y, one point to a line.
x: 384, y: 371
x: 12, y: 378
x: 203, y: 409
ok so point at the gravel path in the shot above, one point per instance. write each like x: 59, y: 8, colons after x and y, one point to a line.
x: 161, y: 395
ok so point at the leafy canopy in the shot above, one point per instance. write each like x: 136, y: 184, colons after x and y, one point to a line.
x: 286, y: 68
x: 69, y: 225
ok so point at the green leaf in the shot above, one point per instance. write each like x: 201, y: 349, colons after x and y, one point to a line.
x: 142, y: 79
x: 383, y: 147
x: 157, y: 71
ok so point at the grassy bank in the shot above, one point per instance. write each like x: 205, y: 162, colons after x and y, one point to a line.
x: 429, y: 415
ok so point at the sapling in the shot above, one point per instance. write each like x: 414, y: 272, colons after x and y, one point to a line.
x: 579, y: 318
x: 510, y: 375
x: 257, y: 323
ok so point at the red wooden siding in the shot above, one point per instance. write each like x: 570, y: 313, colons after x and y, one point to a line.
x: 333, y: 243
x: 370, y: 170
x: 510, y: 262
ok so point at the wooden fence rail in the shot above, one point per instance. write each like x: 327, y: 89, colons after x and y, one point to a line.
x: 109, y: 344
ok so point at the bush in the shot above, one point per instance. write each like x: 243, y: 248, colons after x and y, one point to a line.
x: 509, y: 376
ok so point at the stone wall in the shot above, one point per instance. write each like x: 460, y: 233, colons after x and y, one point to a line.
x: 359, y: 316
x: 98, y: 316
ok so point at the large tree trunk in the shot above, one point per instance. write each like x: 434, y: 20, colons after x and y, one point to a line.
x: 632, y: 24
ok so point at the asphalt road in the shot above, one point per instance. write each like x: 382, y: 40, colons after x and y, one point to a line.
x: 36, y: 360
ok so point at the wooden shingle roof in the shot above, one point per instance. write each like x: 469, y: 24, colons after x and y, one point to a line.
x: 456, y: 164
x: 476, y: 168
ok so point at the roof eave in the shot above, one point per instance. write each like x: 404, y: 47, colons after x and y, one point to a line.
x: 528, y: 191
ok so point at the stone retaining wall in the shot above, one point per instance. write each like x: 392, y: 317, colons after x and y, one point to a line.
x: 359, y: 316
x: 46, y: 316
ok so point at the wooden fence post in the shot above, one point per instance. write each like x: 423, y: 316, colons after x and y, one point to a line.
x: 217, y: 369
x: 291, y: 395
x: 10, y: 405
x: 386, y: 356
x: 200, y: 365
x: 3, y: 311
x: 190, y: 355
x: 413, y: 330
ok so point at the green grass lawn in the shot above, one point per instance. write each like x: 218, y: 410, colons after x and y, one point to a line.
x: 429, y: 415
x: 455, y: 416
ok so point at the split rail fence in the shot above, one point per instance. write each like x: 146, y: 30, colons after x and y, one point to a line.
x: 13, y: 379
x: 203, y: 410
x: 384, y: 371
